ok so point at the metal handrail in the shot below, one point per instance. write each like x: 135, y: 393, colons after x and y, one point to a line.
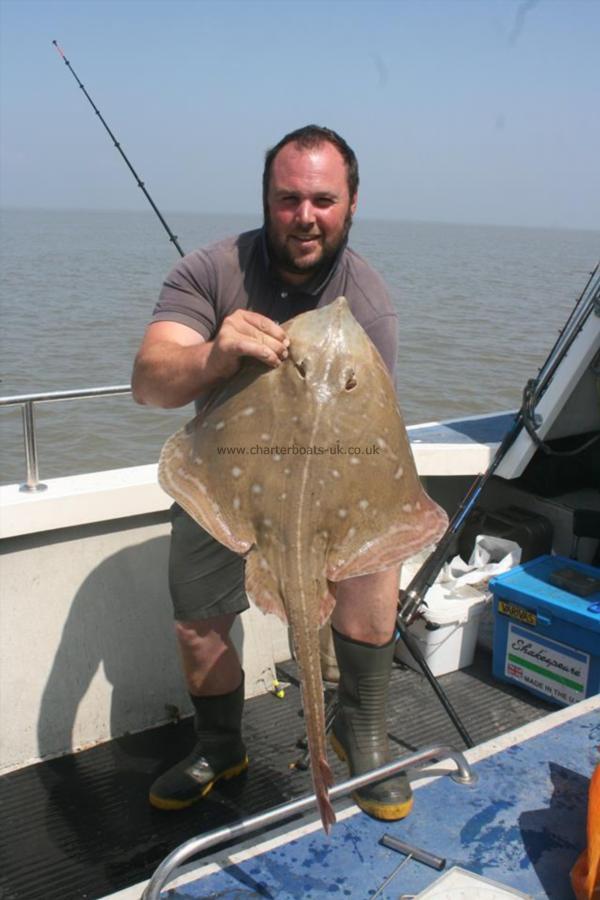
x: 27, y: 401
x: 177, y: 857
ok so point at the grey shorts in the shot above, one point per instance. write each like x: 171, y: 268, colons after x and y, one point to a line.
x: 206, y: 579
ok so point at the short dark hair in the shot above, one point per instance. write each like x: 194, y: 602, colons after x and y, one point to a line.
x: 307, y: 137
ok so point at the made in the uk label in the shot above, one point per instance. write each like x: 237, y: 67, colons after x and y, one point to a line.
x: 554, y: 669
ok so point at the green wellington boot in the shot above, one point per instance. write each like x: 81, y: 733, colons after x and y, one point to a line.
x: 219, y: 752
x: 359, y: 731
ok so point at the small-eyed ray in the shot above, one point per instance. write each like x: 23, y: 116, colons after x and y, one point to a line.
x: 307, y: 471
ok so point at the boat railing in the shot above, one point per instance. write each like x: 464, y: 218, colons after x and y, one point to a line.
x: 166, y: 870
x: 28, y: 402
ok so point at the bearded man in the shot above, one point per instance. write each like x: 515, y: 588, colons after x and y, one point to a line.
x: 218, y: 305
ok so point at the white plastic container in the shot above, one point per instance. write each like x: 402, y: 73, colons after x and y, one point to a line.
x: 457, y: 604
x: 448, y: 632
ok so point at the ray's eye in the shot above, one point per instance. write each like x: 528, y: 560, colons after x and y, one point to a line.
x: 351, y: 382
x: 301, y: 369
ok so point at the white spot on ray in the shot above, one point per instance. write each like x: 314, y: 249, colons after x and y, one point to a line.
x: 380, y: 442
x: 418, y: 504
x: 220, y: 425
x: 267, y: 523
x: 342, y: 513
x: 236, y: 503
x: 263, y: 563
x: 265, y: 437
x: 335, y: 473
x: 354, y: 461
x: 407, y: 507
x: 248, y: 411
x: 276, y: 457
x: 256, y: 489
x: 399, y: 472
x: 363, y: 504
x: 236, y: 472
x: 283, y: 496
x: 351, y: 532
x: 287, y: 471
x: 295, y: 419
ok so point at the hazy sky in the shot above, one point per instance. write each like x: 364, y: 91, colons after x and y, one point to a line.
x: 459, y: 110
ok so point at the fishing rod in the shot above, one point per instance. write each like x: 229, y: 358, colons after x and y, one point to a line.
x: 140, y: 183
x: 412, y: 599
x: 535, y: 388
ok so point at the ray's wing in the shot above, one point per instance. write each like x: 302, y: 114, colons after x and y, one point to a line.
x: 219, y: 470
x: 262, y: 586
x: 387, y: 516
x: 182, y: 475
x: 208, y: 466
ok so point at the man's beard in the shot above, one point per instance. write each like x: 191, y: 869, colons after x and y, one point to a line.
x: 282, y: 259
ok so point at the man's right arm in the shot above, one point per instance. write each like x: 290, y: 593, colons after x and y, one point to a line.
x: 175, y: 363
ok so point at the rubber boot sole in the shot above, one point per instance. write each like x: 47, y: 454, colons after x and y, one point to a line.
x: 389, y: 812
x: 225, y: 775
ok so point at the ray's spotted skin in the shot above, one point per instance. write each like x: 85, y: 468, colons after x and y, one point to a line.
x: 347, y: 501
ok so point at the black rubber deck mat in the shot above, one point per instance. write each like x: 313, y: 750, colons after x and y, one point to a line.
x: 81, y: 827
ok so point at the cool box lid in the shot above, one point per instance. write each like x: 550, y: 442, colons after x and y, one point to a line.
x: 529, y: 585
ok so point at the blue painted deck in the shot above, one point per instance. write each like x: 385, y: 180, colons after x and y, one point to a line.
x: 523, y: 825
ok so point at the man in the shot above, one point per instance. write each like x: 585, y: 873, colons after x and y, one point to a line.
x: 217, y: 306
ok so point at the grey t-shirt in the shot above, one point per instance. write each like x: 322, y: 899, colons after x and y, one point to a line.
x: 210, y: 283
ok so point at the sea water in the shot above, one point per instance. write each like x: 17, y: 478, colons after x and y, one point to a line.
x: 479, y: 308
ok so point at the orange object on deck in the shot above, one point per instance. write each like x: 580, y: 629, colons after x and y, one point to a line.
x: 585, y: 874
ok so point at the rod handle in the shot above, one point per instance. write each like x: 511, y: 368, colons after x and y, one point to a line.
x: 422, y: 856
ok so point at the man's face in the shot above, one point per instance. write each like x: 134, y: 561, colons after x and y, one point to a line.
x: 309, y: 209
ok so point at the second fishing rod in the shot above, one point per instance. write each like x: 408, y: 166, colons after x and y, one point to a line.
x: 140, y: 183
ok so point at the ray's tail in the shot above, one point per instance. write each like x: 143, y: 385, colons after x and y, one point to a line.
x: 325, y: 781
x: 306, y: 642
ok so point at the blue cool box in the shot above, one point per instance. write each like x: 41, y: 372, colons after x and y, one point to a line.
x: 546, y: 639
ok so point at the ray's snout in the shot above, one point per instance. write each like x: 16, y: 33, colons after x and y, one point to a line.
x: 320, y: 326
x: 325, y: 346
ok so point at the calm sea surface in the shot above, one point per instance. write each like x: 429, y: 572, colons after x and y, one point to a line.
x: 479, y: 308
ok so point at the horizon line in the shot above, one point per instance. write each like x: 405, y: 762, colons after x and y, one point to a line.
x: 258, y: 214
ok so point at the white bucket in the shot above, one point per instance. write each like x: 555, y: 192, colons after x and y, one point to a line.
x: 456, y: 604
x: 448, y: 632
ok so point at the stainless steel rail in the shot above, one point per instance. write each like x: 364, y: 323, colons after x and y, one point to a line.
x: 177, y: 857
x: 27, y: 403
